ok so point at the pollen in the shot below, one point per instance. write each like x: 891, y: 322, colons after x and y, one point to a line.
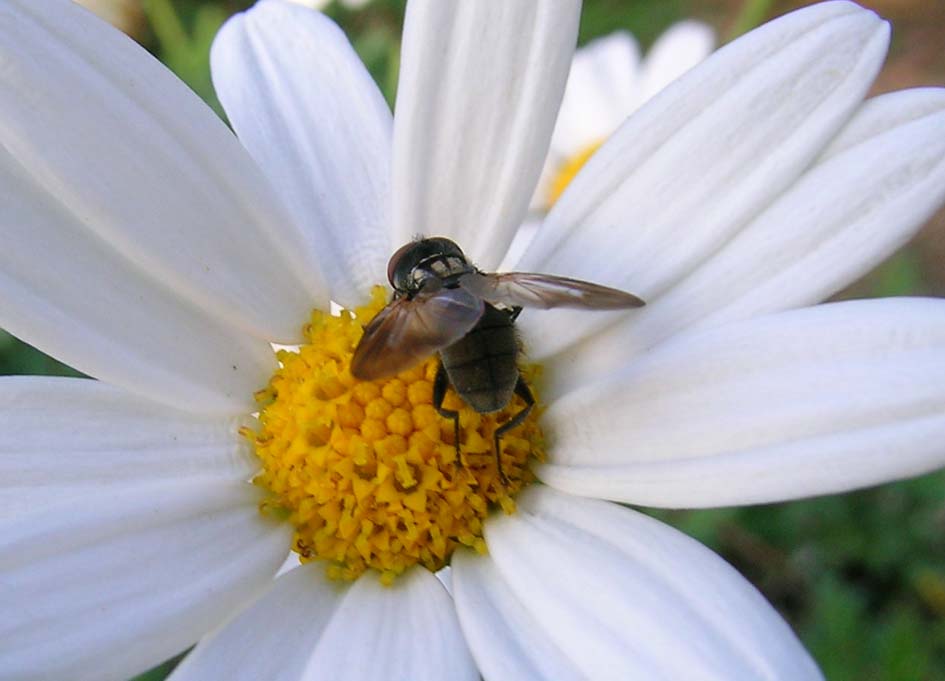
x: 368, y: 472
x: 567, y: 171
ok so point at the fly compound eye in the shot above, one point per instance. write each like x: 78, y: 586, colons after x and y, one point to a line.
x: 444, y: 246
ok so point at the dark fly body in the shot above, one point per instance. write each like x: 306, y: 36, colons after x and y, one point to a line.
x: 443, y: 304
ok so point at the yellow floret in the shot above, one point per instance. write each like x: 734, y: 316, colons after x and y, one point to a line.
x: 368, y: 472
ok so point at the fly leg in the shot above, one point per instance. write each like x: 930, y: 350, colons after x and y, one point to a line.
x: 523, y: 391
x: 440, y: 384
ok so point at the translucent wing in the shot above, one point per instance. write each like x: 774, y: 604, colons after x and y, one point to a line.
x: 408, y: 331
x: 544, y: 291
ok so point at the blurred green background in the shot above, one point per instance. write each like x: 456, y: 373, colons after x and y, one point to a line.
x: 860, y: 577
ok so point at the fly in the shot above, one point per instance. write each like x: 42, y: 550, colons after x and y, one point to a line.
x: 443, y: 304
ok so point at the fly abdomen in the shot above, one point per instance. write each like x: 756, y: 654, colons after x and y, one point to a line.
x: 482, y: 365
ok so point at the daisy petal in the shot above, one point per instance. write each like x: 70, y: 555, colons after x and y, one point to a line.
x: 406, y: 631
x: 703, y: 157
x: 872, y: 190
x: 480, y: 85
x: 660, y: 606
x: 800, y: 403
x: 880, y: 115
x: 306, y: 108
x: 444, y: 574
x: 524, y: 236
x: 274, y: 637
x: 681, y: 47
x: 63, y: 439
x: 97, y: 131
x: 507, y: 640
x: 100, y: 314
x: 312, y: 628
x: 121, y: 581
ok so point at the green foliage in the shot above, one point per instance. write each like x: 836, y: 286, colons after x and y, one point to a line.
x: 16, y: 357
x: 646, y: 19
x: 861, y: 577
x: 753, y: 12
x: 162, y: 671
x: 183, y: 33
x: 899, y: 276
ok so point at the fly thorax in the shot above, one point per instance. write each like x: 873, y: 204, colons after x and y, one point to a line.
x: 442, y: 266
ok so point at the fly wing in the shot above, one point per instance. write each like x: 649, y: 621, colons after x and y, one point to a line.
x: 544, y: 291
x: 408, y: 331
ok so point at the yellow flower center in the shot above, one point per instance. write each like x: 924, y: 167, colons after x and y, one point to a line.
x: 368, y: 471
x: 567, y: 172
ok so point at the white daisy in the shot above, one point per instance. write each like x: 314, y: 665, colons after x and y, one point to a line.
x: 146, y: 247
x: 607, y: 82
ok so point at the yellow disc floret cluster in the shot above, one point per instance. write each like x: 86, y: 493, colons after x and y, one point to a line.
x: 368, y: 472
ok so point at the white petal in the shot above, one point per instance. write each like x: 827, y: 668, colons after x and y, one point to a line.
x: 308, y: 627
x: 602, y: 90
x: 528, y: 231
x: 681, y: 47
x: 274, y: 637
x: 121, y: 581
x: 703, y: 157
x: 480, y: 85
x: 874, y: 188
x: 879, y: 115
x: 813, y: 401
x: 97, y: 131
x: 446, y: 579
x: 405, y: 631
x: 80, y: 293
x: 306, y: 108
x: 507, y: 640
x: 63, y: 439
x: 101, y: 315
x: 290, y: 563
x: 606, y: 592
